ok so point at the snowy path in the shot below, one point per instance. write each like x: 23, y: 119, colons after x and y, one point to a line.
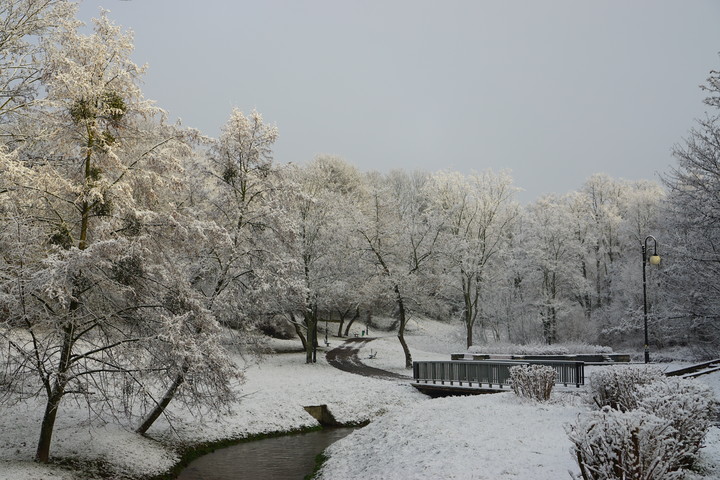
x: 345, y: 358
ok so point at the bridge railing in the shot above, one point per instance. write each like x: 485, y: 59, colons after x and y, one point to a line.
x: 493, y: 374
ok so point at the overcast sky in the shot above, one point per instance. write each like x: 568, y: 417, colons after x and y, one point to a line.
x: 553, y: 91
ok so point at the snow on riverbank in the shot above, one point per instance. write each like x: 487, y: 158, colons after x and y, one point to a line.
x: 410, y: 436
x: 493, y: 437
x: 274, y: 395
x: 488, y: 437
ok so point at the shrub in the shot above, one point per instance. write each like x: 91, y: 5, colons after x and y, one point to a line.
x: 533, y: 381
x: 614, y: 445
x: 617, y: 386
x: 688, y: 406
x: 540, y: 349
x: 676, y: 414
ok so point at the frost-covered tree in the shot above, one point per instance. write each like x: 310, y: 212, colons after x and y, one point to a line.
x: 324, y: 216
x: 602, y: 196
x: 584, y: 249
x: 23, y: 23
x: 477, y: 213
x: 638, y: 208
x: 400, y: 242
x: 243, y: 194
x: 63, y: 177
x: 693, y: 239
x: 345, y: 282
x: 93, y: 303
x: 553, y: 252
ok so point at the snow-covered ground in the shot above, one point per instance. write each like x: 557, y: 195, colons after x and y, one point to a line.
x: 492, y: 437
x: 410, y: 436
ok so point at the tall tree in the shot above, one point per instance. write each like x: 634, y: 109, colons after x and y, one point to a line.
x: 400, y: 241
x: 554, y: 254
x: 323, y: 215
x: 477, y: 212
x: 98, y: 304
x: 693, y: 276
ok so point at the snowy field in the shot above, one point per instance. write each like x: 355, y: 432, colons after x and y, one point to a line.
x: 493, y: 437
x: 410, y: 436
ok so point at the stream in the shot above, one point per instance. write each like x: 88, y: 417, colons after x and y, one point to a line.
x: 289, y: 457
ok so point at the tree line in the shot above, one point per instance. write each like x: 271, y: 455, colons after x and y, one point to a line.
x: 136, y: 256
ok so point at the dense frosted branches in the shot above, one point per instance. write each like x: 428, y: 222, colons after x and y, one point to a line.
x: 23, y: 25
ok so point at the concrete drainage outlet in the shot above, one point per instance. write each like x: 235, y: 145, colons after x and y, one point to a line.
x: 322, y: 415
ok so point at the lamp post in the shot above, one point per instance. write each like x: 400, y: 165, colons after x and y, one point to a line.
x: 654, y: 260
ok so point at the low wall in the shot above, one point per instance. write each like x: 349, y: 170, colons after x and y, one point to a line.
x: 580, y: 357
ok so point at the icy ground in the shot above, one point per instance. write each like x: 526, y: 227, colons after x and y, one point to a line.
x: 482, y: 437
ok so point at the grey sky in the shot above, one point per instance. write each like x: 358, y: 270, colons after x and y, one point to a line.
x: 553, y: 91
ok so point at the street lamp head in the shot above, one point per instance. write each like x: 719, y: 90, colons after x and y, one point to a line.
x: 654, y: 259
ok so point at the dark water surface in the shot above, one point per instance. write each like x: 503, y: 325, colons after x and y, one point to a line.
x: 289, y: 457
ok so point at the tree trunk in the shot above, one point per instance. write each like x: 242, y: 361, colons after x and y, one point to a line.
x: 343, y: 315
x: 160, y: 406
x: 298, y: 330
x: 401, y: 329
x: 469, y: 334
x: 550, y: 325
x: 311, y: 346
x: 352, y: 320
x: 56, y: 391
x: 85, y: 207
x: 471, y: 297
x: 48, y: 424
x: 468, y: 315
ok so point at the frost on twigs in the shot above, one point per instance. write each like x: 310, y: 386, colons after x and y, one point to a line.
x: 533, y: 381
x: 689, y: 406
x: 617, y: 386
x: 648, y: 426
x: 614, y: 445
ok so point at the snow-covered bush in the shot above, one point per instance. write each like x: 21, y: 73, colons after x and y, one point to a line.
x: 533, y: 381
x: 632, y: 402
x: 690, y: 408
x: 540, y: 349
x: 617, y: 386
x: 614, y: 445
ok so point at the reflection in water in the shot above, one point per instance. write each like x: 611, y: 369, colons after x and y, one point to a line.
x: 289, y: 457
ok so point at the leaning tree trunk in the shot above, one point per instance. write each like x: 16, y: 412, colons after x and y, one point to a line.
x: 160, y: 407
x: 298, y: 331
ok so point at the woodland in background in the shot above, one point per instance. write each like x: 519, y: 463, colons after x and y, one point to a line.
x: 136, y: 255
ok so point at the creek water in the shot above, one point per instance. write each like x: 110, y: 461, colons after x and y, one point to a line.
x: 290, y: 457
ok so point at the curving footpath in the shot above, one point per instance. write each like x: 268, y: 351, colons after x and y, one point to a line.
x: 345, y: 358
